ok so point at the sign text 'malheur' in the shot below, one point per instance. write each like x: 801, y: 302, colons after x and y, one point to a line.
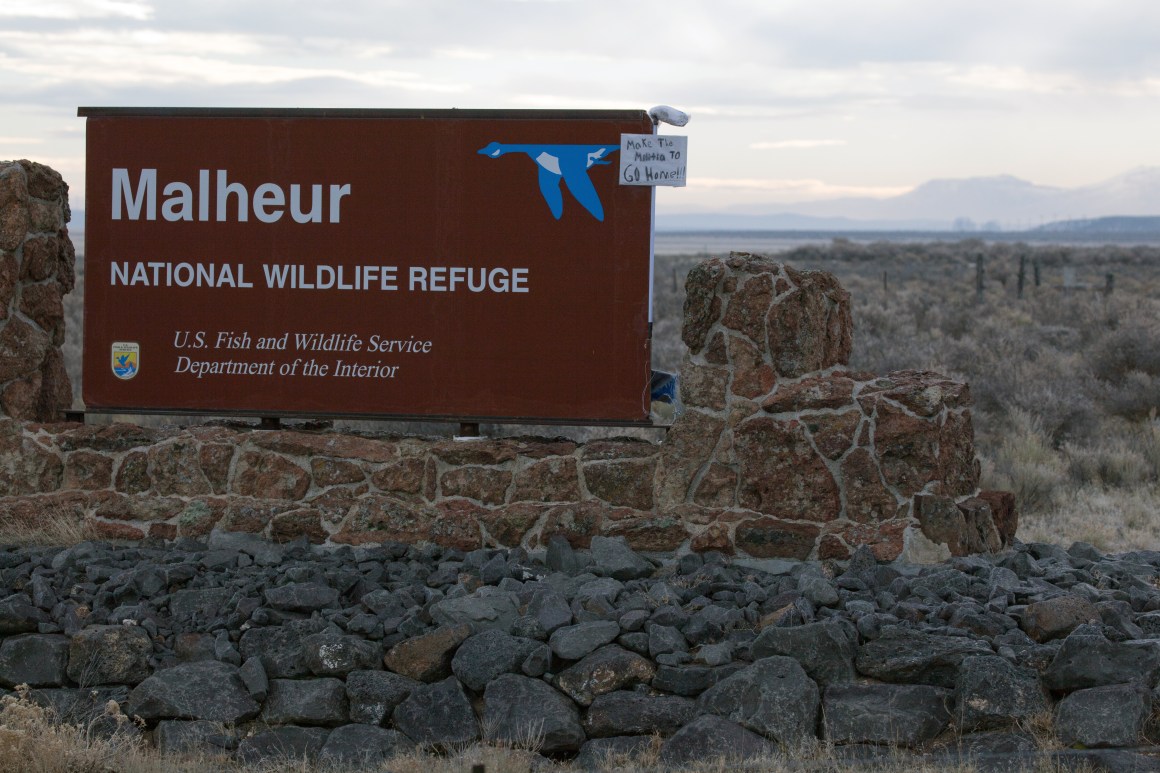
x: 232, y: 200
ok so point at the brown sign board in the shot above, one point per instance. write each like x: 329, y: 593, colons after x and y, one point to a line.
x: 457, y: 264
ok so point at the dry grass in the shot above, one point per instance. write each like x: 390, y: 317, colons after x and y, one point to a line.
x: 65, y: 527
x: 1113, y: 520
x: 31, y: 741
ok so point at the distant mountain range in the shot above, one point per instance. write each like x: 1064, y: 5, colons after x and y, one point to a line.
x: 977, y: 203
x: 1105, y: 225
x: 1128, y: 203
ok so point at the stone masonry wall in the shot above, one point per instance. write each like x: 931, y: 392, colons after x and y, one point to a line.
x: 789, y: 454
x: 780, y: 452
x: 36, y: 271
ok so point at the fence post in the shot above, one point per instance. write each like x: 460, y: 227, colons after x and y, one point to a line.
x: 1109, y: 283
x: 1022, y: 276
x: 1035, y: 269
x: 979, y: 278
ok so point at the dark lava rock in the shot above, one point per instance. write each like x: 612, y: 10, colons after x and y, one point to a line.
x: 301, y: 597
x: 691, y: 680
x: 286, y: 745
x: 253, y: 676
x: 362, y: 746
x: 373, y: 695
x: 37, y: 660
x: 611, y: 557
x: 573, y: 642
x: 17, y: 615
x: 1057, y: 617
x: 328, y: 654
x: 310, y: 627
x: 710, y: 737
x: 663, y: 639
x: 825, y: 650
x: 195, y: 605
x: 204, y: 690
x: 904, y: 655
x: 319, y: 702
x: 772, y: 697
x: 992, y: 693
x: 483, y: 657
x: 973, y: 744
x: 551, y: 610
x: 109, y: 654
x: 626, y: 712
x: 485, y: 608
x: 280, y: 649
x: 1088, y: 659
x: 437, y: 715
x: 607, y: 669
x: 905, y: 715
x: 427, y: 658
x: 529, y: 713
x: 1104, y: 716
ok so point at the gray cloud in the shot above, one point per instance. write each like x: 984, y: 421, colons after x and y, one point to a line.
x: 912, y: 75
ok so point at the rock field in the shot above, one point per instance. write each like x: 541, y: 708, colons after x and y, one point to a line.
x: 240, y: 646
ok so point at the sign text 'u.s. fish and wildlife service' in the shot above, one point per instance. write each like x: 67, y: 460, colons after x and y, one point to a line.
x: 437, y: 264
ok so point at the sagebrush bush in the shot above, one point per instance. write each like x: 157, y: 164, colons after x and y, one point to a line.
x: 1111, y: 463
x: 1129, y: 349
x: 1026, y: 464
x: 1010, y: 367
x: 1135, y: 397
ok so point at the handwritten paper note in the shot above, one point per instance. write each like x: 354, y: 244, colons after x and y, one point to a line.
x: 653, y: 159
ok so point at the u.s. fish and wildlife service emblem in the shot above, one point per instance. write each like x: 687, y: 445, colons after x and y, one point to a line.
x: 126, y: 359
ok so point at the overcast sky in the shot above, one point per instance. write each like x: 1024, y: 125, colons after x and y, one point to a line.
x: 791, y: 101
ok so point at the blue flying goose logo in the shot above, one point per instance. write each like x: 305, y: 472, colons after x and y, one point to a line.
x: 562, y: 163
